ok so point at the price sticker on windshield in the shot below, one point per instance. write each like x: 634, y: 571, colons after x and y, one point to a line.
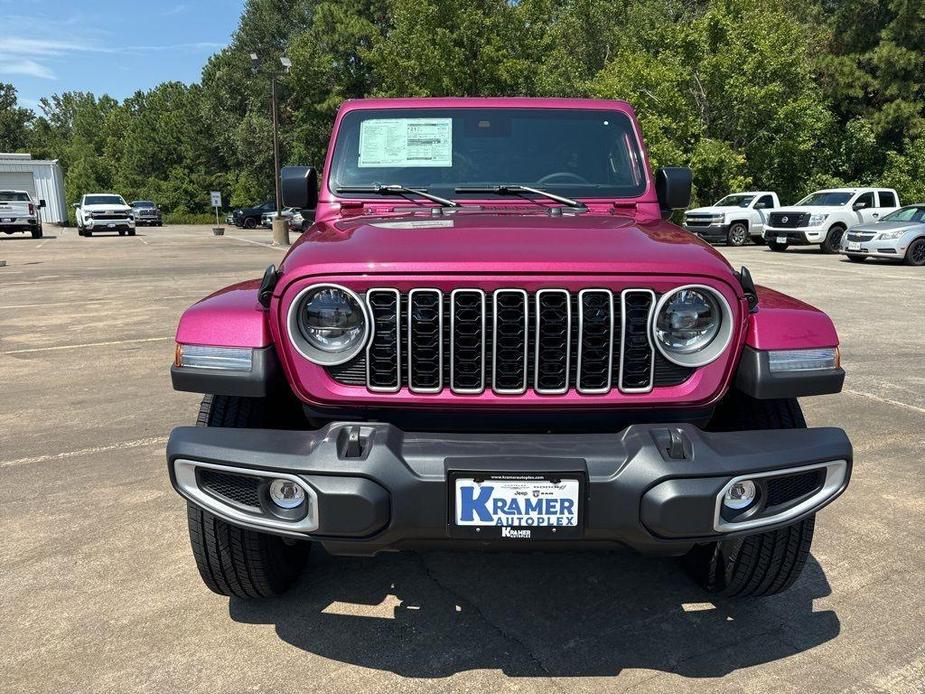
x: 406, y: 142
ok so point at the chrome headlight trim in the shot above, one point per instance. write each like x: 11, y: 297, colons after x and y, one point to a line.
x: 712, y: 350
x: 317, y: 356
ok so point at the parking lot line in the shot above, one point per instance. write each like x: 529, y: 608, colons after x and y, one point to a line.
x: 137, y: 443
x: 257, y: 243
x: 887, y: 401
x: 87, y: 344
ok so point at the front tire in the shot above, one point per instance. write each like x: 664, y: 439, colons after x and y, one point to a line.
x: 250, y: 223
x: 765, y: 563
x: 234, y: 561
x: 737, y: 234
x: 915, y: 254
x: 832, y: 241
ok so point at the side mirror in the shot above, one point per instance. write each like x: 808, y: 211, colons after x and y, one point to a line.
x: 673, y: 187
x: 76, y: 205
x: 300, y: 187
x: 859, y: 205
x: 41, y: 204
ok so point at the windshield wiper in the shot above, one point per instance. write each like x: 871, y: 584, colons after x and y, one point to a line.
x: 508, y: 189
x: 399, y: 190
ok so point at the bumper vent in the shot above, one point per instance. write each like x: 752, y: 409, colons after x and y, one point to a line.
x: 239, y: 489
x: 509, y: 341
x: 782, y: 490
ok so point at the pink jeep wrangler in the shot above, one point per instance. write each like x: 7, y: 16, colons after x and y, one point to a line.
x: 491, y: 338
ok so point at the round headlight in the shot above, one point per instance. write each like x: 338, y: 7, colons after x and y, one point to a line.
x: 328, y: 324
x: 693, y: 325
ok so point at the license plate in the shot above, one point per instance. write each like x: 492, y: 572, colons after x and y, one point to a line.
x: 781, y: 239
x: 854, y: 245
x: 517, y: 506
x: 9, y: 219
x: 111, y: 226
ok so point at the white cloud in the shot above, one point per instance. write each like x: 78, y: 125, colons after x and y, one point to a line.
x: 25, y: 66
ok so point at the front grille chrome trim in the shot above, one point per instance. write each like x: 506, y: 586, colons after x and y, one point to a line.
x: 494, y: 341
x: 372, y: 337
x: 623, y: 346
x: 439, y: 387
x: 568, y: 342
x: 481, y: 388
x: 581, y: 334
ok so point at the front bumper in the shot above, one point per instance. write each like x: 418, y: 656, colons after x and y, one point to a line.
x: 109, y: 224
x: 371, y: 487
x: 711, y: 232
x: 804, y: 236
x: 894, y: 249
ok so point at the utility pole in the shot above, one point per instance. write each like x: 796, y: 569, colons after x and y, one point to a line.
x: 280, y: 225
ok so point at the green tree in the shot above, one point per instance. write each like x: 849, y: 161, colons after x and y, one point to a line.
x: 14, y: 120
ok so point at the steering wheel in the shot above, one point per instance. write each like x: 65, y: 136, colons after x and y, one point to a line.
x: 563, y: 176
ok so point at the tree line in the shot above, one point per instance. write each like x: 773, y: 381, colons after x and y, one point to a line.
x: 771, y: 95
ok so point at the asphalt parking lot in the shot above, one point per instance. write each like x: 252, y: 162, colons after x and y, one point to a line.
x: 100, y: 593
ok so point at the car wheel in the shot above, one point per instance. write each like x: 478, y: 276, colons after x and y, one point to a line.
x: 764, y: 563
x: 231, y: 560
x: 758, y: 240
x: 131, y: 232
x: 88, y: 233
x: 857, y: 258
x: 737, y: 234
x: 121, y: 233
x: 37, y: 233
x: 777, y: 247
x: 250, y: 223
x: 915, y: 254
x: 833, y: 239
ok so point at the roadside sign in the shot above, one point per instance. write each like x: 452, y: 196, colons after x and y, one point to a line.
x: 216, y: 198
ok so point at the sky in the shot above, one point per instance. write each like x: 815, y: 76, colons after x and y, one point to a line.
x: 108, y: 47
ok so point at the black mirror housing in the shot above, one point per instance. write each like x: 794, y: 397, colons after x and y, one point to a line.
x: 859, y: 205
x: 673, y: 187
x: 299, y: 187
x: 41, y: 203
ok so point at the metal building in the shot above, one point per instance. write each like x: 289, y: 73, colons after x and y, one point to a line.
x: 43, y: 179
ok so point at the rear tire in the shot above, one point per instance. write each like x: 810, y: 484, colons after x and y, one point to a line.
x: 777, y: 247
x: 765, y: 563
x: 234, y: 561
x: 915, y: 254
x: 37, y: 233
x: 832, y: 242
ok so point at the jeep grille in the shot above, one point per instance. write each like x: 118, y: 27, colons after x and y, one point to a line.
x: 510, y: 341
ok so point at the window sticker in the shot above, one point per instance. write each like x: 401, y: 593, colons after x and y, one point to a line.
x: 406, y: 142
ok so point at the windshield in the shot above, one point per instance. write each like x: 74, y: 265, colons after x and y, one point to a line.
x: 104, y: 200
x: 736, y: 201
x: 567, y: 152
x: 825, y: 199
x: 913, y: 213
x: 142, y: 203
x: 13, y: 196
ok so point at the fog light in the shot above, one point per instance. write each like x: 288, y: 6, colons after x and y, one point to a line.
x: 286, y: 493
x: 740, y: 495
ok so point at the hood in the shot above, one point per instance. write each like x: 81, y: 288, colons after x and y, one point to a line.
x: 717, y: 210
x: 107, y: 208
x: 879, y: 227
x: 498, y: 243
x: 812, y: 209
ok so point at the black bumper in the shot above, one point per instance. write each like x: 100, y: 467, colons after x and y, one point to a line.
x: 794, y: 237
x: 653, y: 488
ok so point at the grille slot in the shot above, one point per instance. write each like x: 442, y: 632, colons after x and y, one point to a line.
x: 240, y: 489
x: 784, y: 489
x: 467, y: 340
x: 425, y: 340
x: 553, y: 341
x: 595, y: 340
x: 383, y: 355
x: 794, y: 220
x: 510, y: 347
x: 637, y: 366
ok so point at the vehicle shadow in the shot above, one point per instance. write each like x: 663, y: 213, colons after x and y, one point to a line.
x: 27, y: 237
x: 536, y: 615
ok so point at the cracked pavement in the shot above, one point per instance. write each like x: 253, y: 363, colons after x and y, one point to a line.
x: 100, y: 592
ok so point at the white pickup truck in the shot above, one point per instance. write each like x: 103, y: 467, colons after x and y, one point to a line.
x: 734, y: 219
x: 19, y: 212
x: 823, y: 217
x: 104, y: 212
